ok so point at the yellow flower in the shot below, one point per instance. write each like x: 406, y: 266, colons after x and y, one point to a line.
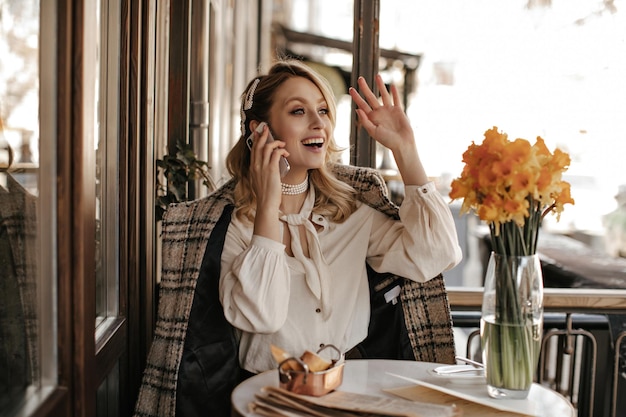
x: 512, y: 182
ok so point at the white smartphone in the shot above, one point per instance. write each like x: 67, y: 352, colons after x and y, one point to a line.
x: 283, y: 164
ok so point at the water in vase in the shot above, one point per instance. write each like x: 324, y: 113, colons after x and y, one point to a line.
x: 510, y: 355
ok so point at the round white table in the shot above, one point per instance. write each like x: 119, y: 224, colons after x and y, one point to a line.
x: 371, y: 376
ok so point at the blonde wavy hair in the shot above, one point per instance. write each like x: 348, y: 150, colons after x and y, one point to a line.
x: 333, y: 198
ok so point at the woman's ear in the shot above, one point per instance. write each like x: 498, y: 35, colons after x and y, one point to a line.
x: 253, y: 125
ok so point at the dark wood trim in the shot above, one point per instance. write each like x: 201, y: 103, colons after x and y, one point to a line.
x: 128, y: 297
x: 137, y: 228
x: 178, y: 107
x: 83, y: 229
x: 365, y: 64
x: 132, y: 230
x: 147, y: 181
x: 57, y: 404
x: 567, y: 300
x: 292, y: 36
x: 64, y: 204
x: 124, y: 145
x: 111, y: 346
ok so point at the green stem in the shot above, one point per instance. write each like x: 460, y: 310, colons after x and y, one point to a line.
x: 512, y: 353
x: 511, y: 356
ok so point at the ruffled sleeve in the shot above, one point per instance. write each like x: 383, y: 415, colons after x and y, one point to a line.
x: 254, y: 284
x: 422, y: 244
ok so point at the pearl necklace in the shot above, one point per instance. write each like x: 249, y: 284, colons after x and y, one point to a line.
x: 295, y: 189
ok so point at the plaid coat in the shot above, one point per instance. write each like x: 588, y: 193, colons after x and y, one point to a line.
x: 419, y: 327
x: 19, y: 321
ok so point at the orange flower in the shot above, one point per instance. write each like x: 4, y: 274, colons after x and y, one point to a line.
x: 512, y: 182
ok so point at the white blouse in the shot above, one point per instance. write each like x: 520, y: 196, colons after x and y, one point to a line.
x: 299, y: 303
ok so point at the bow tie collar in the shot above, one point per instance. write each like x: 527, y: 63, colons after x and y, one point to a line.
x: 315, y: 266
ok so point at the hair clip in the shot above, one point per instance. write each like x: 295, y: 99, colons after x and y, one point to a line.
x: 250, y: 96
x: 243, y: 122
x: 247, y: 104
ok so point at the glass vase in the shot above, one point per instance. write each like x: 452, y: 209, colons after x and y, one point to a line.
x: 511, y: 325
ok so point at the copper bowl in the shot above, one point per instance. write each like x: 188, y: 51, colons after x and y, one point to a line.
x: 310, y: 383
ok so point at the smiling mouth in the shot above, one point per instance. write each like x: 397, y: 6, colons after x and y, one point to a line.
x: 313, y: 143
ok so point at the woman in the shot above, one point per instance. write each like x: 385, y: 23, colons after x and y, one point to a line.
x: 293, y: 266
x: 292, y: 261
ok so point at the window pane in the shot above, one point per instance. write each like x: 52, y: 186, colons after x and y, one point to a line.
x: 27, y: 204
x: 553, y: 69
x: 332, y: 20
x: 101, y: 180
x: 107, y: 161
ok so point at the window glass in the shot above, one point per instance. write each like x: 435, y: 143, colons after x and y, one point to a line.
x: 27, y: 208
x: 106, y: 70
x: 332, y: 20
x: 100, y: 178
x: 532, y: 68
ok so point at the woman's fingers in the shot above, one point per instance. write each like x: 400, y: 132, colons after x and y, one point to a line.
x: 265, y: 153
x: 368, y: 94
x: 358, y: 100
x: 384, y: 94
x: 365, y: 121
x: 396, y: 95
x: 259, y: 141
x: 368, y: 101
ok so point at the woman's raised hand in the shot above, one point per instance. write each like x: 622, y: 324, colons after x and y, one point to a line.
x: 384, y: 119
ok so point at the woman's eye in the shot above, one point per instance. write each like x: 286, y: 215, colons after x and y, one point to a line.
x: 301, y: 111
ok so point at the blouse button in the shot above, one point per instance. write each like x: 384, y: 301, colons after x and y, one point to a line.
x: 318, y: 310
x: 424, y: 190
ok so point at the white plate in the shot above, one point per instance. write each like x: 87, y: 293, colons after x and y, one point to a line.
x: 471, y: 376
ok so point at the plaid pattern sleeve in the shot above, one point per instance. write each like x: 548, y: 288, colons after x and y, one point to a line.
x: 428, y: 320
x: 370, y: 186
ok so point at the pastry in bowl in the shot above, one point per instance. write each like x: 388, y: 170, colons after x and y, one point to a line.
x: 309, y: 374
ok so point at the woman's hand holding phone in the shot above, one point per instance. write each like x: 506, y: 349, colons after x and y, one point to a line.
x: 283, y: 163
